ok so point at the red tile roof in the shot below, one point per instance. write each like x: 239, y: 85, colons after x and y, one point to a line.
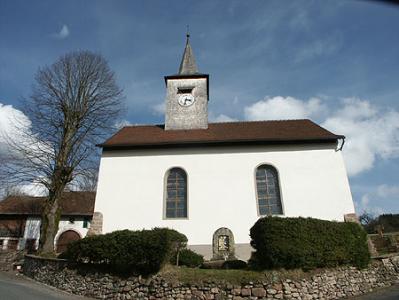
x: 72, y: 203
x: 266, y: 132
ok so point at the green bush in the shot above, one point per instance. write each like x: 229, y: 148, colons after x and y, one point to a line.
x: 307, y: 243
x: 387, y: 222
x: 127, y: 252
x: 188, y: 258
x: 234, y: 264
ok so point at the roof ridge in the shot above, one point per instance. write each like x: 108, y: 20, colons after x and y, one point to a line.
x: 142, y: 125
x: 260, y: 121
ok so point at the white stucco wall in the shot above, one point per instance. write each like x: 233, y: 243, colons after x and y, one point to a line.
x: 221, y: 187
x: 76, y: 226
x: 32, y: 229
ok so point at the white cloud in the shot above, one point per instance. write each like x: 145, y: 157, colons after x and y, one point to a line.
x: 385, y: 191
x: 365, y: 206
x: 63, y: 33
x: 120, y: 124
x: 278, y: 108
x: 370, y: 132
x: 15, y: 131
x: 33, y: 189
x: 10, y: 119
x: 223, y: 118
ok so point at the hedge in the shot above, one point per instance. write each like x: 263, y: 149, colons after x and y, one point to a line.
x: 234, y: 264
x: 127, y: 252
x: 188, y: 258
x: 307, y: 243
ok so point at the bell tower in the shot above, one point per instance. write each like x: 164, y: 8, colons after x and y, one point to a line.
x: 187, y: 95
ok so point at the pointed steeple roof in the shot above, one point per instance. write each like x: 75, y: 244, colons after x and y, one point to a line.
x: 188, y: 65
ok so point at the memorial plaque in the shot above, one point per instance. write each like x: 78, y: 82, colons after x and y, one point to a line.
x: 223, y: 244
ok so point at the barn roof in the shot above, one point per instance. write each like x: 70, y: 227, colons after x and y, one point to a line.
x: 72, y: 203
x: 244, y: 133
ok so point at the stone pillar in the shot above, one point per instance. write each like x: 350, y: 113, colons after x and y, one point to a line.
x: 353, y: 218
x: 96, y: 225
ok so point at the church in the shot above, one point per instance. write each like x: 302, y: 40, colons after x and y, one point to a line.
x: 213, y: 181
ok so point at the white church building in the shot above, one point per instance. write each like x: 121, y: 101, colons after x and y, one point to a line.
x: 204, y: 178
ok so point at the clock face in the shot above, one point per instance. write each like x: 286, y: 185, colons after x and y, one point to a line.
x: 186, y: 99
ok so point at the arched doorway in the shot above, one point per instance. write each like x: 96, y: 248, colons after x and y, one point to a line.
x: 65, y: 238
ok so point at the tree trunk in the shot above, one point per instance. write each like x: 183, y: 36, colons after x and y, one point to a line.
x: 50, y: 219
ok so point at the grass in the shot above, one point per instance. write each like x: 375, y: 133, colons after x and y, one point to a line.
x: 198, y: 276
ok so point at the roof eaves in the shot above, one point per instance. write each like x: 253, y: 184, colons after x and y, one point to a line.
x: 121, y: 146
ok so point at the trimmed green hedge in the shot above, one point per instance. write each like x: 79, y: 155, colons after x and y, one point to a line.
x: 234, y: 264
x: 307, y: 243
x: 188, y: 258
x: 127, y: 252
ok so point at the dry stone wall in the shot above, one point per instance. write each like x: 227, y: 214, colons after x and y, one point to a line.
x: 329, y: 284
x: 8, y: 258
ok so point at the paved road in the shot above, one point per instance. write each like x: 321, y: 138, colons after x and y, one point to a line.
x: 391, y: 293
x: 19, y: 288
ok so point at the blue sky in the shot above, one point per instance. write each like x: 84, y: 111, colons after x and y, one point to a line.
x: 336, y: 62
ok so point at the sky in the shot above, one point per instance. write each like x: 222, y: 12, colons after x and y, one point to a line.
x: 335, y: 62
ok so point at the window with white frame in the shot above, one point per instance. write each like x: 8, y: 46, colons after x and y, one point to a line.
x: 268, y: 191
x: 176, y: 194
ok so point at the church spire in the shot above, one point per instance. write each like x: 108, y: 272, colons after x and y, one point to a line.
x: 188, y: 65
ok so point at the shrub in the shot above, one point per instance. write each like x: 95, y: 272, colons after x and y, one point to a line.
x: 126, y: 251
x: 388, y: 222
x: 176, y: 240
x: 307, y: 243
x: 188, y: 258
x: 234, y: 264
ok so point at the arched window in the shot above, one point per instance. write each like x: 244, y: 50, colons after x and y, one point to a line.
x: 176, y: 193
x: 268, y: 191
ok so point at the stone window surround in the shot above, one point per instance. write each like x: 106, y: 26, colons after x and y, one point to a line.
x: 165, y: 184
x: 279, y: 186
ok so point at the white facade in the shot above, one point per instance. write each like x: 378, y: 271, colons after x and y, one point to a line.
x: 221, y: 187
x: 77, y: 225
x: 32, y: 229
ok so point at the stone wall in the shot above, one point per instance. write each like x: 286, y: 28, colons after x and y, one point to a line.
x: 328, y: 284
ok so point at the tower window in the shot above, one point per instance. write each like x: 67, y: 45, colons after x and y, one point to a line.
x: 176, y: 194
x: 184, y: 90
x: 268, y: 191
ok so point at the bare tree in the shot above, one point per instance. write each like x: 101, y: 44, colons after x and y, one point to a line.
x: 73, y: 105
x: 13, y: 191
x: 86, y: 182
